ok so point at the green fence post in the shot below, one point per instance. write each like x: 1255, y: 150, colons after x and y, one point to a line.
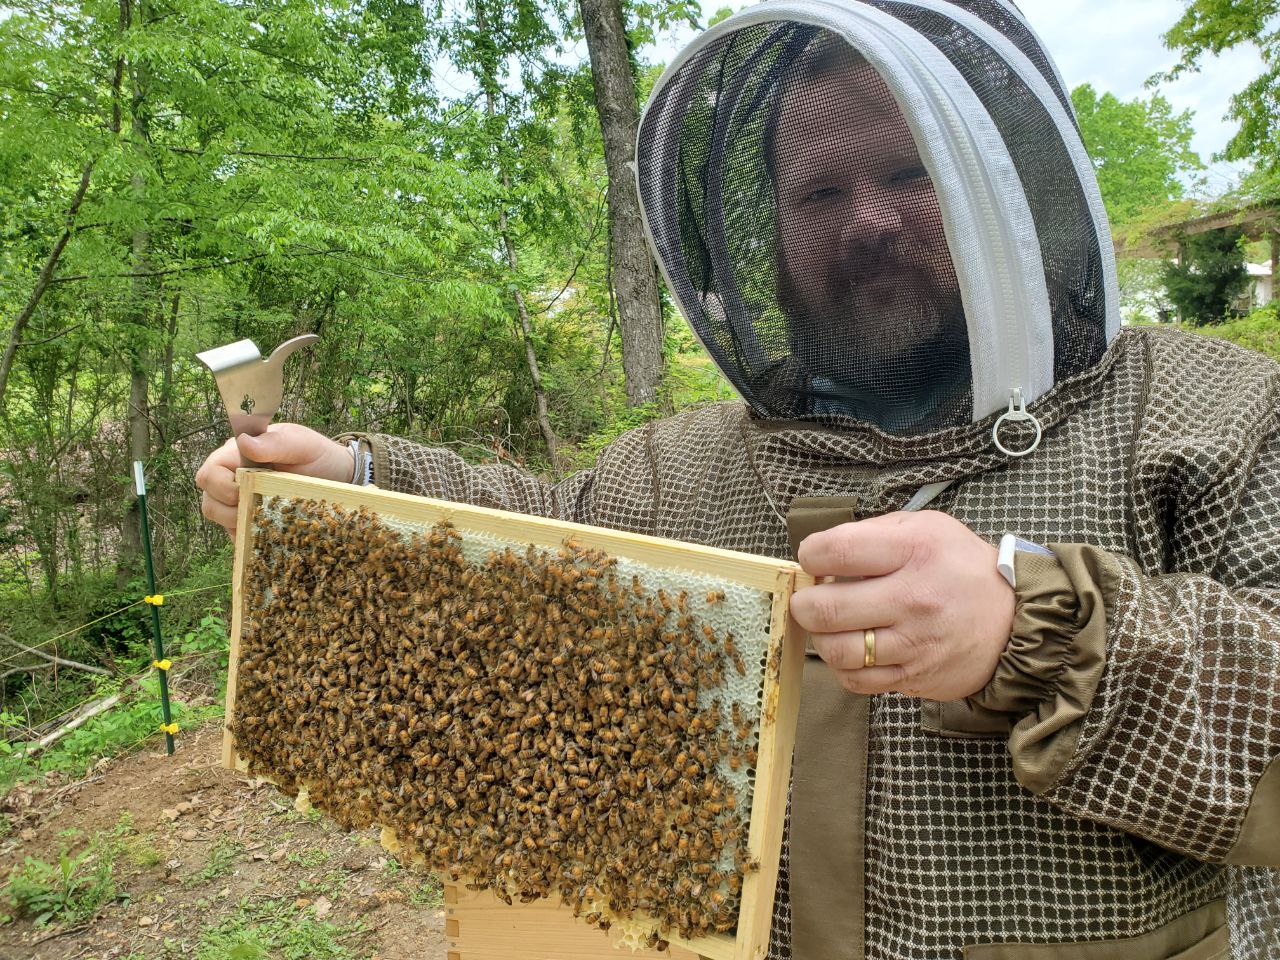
x: 154, y: 600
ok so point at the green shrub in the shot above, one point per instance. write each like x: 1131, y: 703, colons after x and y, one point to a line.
x: 1259, y: 331
x: 71, y: 890
x: 1210, y: 275
x: 77, y: 886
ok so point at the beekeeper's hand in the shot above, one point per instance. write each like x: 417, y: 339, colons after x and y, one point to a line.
x: 929, y: 588
x: 287, y: 447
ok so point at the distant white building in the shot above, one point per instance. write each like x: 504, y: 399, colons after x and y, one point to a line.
x: 1257, y: 222
x: 1261, y: 284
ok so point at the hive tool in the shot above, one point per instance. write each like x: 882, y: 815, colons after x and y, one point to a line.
x: 252, y: 388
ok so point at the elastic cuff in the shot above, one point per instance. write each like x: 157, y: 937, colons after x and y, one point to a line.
x: 1044, y: 627
x: 1050, y: 671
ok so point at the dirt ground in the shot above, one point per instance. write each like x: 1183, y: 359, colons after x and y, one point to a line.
x: 213, y: 865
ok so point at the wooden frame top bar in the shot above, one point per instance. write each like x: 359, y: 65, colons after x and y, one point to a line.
x: 744, y: 568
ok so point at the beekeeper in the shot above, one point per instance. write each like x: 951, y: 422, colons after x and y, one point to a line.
x: 1041, y: 718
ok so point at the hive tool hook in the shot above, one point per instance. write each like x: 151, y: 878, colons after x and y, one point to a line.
x: 252, y: 388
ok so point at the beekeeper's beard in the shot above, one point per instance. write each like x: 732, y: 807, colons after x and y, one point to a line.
x: 880, y: 341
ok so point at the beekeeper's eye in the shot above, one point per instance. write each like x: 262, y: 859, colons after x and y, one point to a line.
x: 829, y: 192
x: 910, y: 176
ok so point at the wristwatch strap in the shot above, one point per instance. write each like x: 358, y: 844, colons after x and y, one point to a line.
x: 1010, y: 545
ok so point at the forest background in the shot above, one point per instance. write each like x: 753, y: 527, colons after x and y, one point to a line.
x: 426, y: 186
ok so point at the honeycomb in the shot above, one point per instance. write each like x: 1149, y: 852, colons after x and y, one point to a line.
x: 539, y: 722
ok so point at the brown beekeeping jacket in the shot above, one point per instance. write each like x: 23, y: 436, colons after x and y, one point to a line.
x: 1114, y: 791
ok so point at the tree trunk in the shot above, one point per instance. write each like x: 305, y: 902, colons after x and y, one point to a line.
x: 165, y: 404
x: 1179, y: 318
x: 1275, y: 264
x: 526, y: 326
x: 634, y: 278
x: 131, y: 552
x: 42, y: 282
x: 540, y: 395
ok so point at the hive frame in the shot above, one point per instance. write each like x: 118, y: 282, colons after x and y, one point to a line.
x: 779, y: 706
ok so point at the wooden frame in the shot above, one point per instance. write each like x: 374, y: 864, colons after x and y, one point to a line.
x: 779, y: 707
x: 479, y: 926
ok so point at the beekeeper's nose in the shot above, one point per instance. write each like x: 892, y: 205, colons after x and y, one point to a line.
x: 873, y: 220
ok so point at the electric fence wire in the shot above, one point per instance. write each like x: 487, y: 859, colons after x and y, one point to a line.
x: 43, y: 644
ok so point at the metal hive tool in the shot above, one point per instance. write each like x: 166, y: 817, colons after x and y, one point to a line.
x: 252, y: 388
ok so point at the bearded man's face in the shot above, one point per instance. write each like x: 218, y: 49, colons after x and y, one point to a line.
x: 864, y: 268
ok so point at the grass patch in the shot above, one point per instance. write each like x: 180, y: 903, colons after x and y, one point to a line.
x: 309, y: 815
x: 222, y: 857
x: 428, y: 893
x: 330, y: 885
x: 275, y: 930
x: 311, y: 857
x: 77, y: 885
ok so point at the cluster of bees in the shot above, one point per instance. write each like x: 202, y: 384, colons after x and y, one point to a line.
x: 532, y: 723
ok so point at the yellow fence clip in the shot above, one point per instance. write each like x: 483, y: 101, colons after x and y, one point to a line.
x: 156, y: 600
x: 169, y: 728
x: 162, y: 664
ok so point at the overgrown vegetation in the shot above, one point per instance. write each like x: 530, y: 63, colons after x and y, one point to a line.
x: 1260, y: 330
x: 80, y: 883
x: 177, y: 174
x: 134, y: 717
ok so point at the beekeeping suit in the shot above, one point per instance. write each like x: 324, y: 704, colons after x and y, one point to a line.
x: 880, y: 222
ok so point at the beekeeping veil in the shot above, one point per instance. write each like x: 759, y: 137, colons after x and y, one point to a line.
x: 878, y: 210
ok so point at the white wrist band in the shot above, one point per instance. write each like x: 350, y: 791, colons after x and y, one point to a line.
x: 362, y: 473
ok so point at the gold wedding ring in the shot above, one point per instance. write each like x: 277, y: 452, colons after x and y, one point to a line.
x: 869, y: 639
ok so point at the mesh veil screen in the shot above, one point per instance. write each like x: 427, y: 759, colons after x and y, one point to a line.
x: 1003, y: 19
x: 804, y: 237
x: 1064, y: 227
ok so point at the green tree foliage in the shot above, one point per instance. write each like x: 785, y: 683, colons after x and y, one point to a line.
x: 1215, y: 26
x: 724, y: 13
x: 1141, y: 149
x: 260, y: 169
x: 1209, y: 278
x: 179, y: 174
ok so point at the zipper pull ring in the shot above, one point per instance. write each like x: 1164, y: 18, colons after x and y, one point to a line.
x: 1017, y: 412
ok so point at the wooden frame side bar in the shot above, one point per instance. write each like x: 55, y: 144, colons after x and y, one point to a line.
x: 246, y: 480
x: 778, y: 715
